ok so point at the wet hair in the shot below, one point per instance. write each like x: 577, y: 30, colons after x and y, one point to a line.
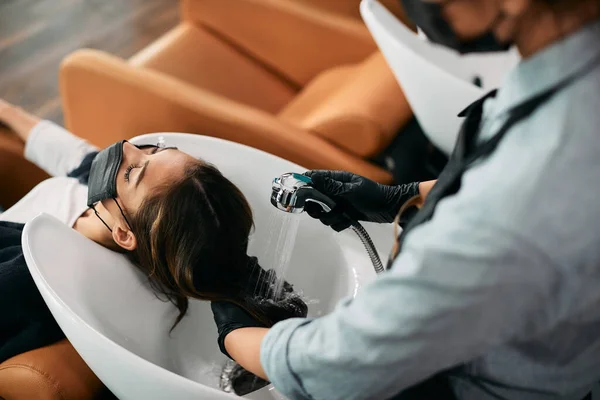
x: 192, y: 236
x: 192, y: 242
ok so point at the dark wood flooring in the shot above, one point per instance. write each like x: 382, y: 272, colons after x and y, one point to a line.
x: 35, y: 35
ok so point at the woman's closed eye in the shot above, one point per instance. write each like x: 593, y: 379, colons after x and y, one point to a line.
x: 128, y: 172
x: 150, y: 149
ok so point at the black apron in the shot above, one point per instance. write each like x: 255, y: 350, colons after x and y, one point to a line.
x: 466, y: 152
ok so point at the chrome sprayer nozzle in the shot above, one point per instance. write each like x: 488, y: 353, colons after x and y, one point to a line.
x: 291, y: 192
x: 284, y: 195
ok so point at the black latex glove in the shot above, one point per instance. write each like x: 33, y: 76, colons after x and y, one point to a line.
x: 357, y: 198
x: 230, y: 317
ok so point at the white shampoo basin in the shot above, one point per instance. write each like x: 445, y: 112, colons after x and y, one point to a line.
x: 121, y: 329
x: 436, y: 81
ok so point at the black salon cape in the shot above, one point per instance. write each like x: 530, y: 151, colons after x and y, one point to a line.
x: 25, y: 321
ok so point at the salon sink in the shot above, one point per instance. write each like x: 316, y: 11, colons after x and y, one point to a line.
x: 121, y: 329
x: 437, y: 82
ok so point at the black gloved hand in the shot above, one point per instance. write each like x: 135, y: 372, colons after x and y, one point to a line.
x: 357, y: 198
x: 230, y: 317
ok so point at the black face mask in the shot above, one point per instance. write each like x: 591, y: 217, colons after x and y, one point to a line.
x: 428, y: 17
x: 102, y: 183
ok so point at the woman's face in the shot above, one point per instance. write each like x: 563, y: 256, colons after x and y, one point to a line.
x: 142, y: 170
x: 146, y: 168
x: 472, y: 18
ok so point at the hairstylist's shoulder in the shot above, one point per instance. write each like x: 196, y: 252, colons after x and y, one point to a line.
x: 581, y: 105
x: 543, y: 182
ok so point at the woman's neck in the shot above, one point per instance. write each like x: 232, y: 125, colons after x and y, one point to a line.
x: 92, y: 228
x: 543, y: 26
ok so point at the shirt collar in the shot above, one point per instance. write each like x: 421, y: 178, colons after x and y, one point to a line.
x: 550, y: 67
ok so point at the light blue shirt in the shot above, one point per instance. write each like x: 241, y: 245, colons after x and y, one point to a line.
x: 505, y: 278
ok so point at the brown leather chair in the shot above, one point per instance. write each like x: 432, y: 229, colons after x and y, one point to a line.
x: 301, y: 79
x: 17, y: 175
x: 54, y: 372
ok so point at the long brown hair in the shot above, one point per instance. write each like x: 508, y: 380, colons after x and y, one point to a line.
x: 192, y: 241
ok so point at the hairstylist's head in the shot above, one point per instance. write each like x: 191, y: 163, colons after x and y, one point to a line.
x: 177, y: 218
x: 494, y: 25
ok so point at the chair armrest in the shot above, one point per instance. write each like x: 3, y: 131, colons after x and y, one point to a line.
x: 17, y: 175
x: 105, y: 100
x: 295, y: 39
x: 54, y: 372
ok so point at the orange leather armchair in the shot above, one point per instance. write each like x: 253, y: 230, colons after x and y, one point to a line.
x: 17, y: 175
x: 54, y: 372
x: 301, y: 79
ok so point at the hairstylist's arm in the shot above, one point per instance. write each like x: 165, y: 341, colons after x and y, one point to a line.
x: 461, y: 286
x: 424, y: 189
x: 240, y: 335
x: 361, y: 199
x: 243, y: 346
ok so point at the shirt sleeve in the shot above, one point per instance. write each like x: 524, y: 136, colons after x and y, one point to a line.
x: 54, y: 149
x: 462, y: 285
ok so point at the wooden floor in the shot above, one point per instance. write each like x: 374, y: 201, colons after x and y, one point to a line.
x: 35, y: 35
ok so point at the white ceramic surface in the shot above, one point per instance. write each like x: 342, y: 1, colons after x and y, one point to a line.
x: 120, y: 328
x: 437, y: 82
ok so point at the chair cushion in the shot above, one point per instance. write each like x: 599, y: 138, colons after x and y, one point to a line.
x: 358, y: 108
x: 54, y: 372
x: 296, y: 39
x: 196, y: 56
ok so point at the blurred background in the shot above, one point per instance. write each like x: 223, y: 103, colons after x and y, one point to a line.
x: 35, y: 35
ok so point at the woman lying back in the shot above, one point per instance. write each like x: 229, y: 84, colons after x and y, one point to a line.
x: 177, y: 218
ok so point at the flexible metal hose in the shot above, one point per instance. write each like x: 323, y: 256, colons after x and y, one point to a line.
x: 369, y: 245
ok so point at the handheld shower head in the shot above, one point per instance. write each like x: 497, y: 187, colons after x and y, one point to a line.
x: 292, y: 191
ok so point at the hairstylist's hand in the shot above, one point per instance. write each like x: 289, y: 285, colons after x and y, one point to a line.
x: 228, y: 318
x: 357, y: 198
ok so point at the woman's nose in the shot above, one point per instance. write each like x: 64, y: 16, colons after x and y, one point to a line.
x: 130, y: 152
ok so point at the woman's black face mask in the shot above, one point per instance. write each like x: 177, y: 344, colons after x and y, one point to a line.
x: 102, y: 182
x: 429, y: 17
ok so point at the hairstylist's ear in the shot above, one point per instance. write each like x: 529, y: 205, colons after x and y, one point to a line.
x: 124, y: 237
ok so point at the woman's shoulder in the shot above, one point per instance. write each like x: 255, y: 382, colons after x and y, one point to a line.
x: 62, y: 197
